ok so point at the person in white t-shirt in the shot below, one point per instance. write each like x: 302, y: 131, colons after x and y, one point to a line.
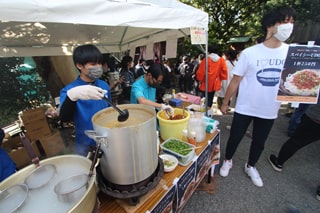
x: 231, y: 60
x: 256, y: 76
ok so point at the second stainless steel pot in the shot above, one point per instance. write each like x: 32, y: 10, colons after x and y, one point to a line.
x: 130, y: 148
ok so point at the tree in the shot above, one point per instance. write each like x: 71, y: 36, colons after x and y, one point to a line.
x: 20, y: 88
x: 306, y: 9
x: 229, y: 18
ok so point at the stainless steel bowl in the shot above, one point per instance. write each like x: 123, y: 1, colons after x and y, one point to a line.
x: 12, y: 198
x: 72, y: 189
x: 40, y: 176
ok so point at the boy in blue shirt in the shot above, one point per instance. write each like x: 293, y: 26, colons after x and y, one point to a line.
x: 82, y: 98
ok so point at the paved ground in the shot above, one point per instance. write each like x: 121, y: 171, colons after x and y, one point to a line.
x: 295, y: 186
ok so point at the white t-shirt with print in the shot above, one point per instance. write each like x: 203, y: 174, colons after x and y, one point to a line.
x: 260, y: 67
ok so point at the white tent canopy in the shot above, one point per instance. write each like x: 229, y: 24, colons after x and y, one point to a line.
x: 55, y: 27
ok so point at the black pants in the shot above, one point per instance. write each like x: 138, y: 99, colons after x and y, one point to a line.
x: 307, y: 132
x: 260, y: 132
x: 210, y: 97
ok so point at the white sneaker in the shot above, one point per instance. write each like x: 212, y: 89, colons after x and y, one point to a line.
x: 253, y: 173
x: 225, y: 168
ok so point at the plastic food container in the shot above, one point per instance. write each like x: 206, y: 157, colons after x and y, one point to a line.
x: 170, y: 162
x: 172, y: 128
x: 183, y: 151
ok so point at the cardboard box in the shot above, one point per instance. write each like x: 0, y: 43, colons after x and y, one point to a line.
x: 35, y: 124
x: 11, y: 143
x: 53, y: 145
x: 32, y: 115
x: 21, y: 157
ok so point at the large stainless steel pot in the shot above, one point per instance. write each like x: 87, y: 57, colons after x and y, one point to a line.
x: 130, y: 148
x: 85, y: 204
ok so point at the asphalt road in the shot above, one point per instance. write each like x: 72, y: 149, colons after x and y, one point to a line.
x: 293, y: 188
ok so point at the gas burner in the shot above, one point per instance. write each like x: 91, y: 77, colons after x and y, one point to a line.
x: 131, y: 192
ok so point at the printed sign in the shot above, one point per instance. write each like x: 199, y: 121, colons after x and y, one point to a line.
x: 198, y: 35
x: 165, y: 204
x: 300, y: 77
x: 202, y: 163
x: 185, y: 185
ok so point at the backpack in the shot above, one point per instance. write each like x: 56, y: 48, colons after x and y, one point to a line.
x: 186, y: 69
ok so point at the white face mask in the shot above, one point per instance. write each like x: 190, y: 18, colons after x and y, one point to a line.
x: 95, y: 72
x: 284, y: 31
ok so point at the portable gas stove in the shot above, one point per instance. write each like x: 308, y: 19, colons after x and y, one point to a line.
x: 131, y: 192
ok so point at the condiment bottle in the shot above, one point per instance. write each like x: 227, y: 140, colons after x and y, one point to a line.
x: 185, y: 135
x: 173, y: 93
x: 203, y: 105
x: 192, y: 138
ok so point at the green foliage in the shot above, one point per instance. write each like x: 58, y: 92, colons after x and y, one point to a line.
x: 306, y: 9
x: 230, y: 18
x: 19, y: 89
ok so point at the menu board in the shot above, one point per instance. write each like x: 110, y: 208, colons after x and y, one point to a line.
x: 214, y: 157
x: 202, y: 163
x: 300, y: 77
x: 185, y: 185
x: 165, y: 205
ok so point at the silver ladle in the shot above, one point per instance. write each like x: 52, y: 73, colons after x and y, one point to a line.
x: 123, y: 114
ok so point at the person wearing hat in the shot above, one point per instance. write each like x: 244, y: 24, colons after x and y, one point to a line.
x: 7, y: 166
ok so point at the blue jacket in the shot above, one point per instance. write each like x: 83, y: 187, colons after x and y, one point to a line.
x: 7, y: 166
x: 84, y: 111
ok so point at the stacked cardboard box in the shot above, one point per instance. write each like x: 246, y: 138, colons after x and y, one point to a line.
x: 53, y: 145
x: 21, y: 157
x: 35, y: 124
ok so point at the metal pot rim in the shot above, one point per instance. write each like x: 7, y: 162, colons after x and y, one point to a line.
x: 13, y: 190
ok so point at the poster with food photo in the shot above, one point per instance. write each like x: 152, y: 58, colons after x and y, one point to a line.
x: 300, y: 77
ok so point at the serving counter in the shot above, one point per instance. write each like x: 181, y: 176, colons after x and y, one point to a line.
x: 176, y: 187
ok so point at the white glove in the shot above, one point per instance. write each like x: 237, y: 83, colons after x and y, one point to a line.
x: 167, y: 109
x: 86, y: 92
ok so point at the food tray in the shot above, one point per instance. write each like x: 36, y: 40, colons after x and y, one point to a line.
x: 176, y: 144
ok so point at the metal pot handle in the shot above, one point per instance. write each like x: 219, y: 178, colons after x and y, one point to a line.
x: 98, y: 139
x: 96, y: 159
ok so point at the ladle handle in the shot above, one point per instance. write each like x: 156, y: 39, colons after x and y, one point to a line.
x: 113, y: 105
x: 93, y: 164
x: 27, y: 145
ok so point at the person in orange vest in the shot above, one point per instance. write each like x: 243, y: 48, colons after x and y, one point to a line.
x: 217, y: 71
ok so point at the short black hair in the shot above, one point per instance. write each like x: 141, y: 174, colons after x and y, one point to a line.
x: 232, y: 54
x: 156, y: 70
x: 149, y: 62
x: 278, y: 14
x: 87, y: 53
x: 125, y: 60
x: 213, y: 48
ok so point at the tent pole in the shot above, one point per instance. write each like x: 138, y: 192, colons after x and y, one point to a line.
x: 206, y: 92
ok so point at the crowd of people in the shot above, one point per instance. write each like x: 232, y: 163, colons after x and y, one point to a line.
x: 231, y: 77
